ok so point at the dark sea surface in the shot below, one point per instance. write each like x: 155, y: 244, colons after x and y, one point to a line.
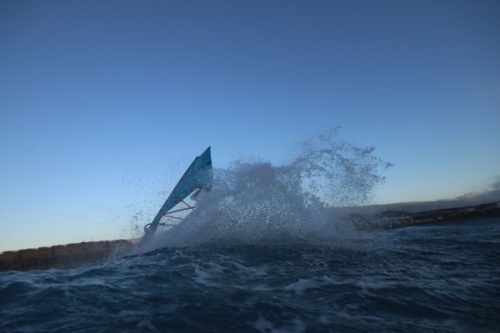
x: 433, y: 278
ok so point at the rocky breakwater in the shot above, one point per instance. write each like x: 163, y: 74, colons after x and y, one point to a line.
x: 64, y: 256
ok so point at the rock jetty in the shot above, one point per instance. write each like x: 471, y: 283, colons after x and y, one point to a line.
x: 64, y: 256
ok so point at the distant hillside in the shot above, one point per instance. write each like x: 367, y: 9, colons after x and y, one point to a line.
x: 393, y: 217
x: 422, y: 206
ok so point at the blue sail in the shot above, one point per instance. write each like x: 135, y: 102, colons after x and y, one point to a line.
x: 197, y: 177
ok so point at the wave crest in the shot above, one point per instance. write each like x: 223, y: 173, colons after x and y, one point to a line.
x: 255, y: 201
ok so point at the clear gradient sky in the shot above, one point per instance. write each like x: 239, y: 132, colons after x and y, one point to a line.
x: 103, y: 104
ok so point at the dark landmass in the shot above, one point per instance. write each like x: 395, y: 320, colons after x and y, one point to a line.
x: 64, y: 256
x: 389, y: 219
x: 364, y: 218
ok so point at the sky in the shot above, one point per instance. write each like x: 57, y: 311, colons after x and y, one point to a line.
x: 103, y: 104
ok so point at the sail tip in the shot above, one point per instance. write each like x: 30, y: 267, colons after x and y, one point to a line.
x: 206, y: 152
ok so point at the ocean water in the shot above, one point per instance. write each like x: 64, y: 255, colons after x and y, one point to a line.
x: 265, y: 251
x: 434, y: 278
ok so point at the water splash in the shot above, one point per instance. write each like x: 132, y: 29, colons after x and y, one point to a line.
x: 338, y: 172
x: 257, y: 202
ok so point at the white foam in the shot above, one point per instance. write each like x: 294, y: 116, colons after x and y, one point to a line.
x: 257, y: 271
x: 302, y: 285
x: 263, y: 325
x: 203, y: 277
x: 146, y: 323
x: 141, y: 319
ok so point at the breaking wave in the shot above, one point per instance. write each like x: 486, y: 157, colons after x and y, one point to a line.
x: 256, y: 201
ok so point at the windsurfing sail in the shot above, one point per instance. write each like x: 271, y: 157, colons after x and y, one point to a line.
x: 197, y: 178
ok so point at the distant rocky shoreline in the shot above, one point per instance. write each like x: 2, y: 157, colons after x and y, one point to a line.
x: 64, y: 256
x: 85, y: 253
x: 395, y: 219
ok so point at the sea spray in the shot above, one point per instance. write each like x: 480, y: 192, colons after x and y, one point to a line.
x: 257, y: 202
x: 338, y: 172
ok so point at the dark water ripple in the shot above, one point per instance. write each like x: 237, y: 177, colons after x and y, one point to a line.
x: 440, y: 278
